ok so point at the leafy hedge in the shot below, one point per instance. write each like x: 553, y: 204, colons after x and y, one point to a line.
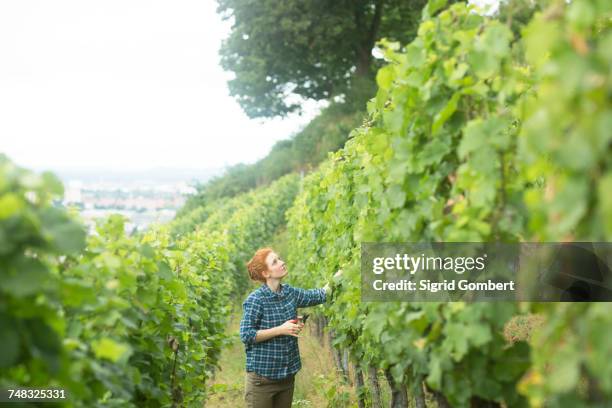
x: 475, y: 134
x: 119, y: 320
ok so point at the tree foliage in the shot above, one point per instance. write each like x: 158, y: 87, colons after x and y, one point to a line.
x: 310, y: 49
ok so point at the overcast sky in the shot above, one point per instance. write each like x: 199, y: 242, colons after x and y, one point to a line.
x: 122, y: 84
x: 128, y: 84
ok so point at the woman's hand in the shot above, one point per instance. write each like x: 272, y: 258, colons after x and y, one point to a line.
x: 289, y: 328
x: 327, y: 286
x: 300, y: 326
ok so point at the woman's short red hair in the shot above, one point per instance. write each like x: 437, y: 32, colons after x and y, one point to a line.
x: 257, y: 265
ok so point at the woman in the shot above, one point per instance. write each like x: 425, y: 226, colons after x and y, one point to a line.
x: 269, y: 332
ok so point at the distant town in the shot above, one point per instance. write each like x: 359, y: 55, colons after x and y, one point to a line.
x: 143, y: 197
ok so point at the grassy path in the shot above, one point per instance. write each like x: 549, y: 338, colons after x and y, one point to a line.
x: 316, y: 383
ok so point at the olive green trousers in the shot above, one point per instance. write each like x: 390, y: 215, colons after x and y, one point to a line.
x: 261, y: 392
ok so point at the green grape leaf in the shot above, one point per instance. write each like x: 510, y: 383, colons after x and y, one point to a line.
x: 109, y: 349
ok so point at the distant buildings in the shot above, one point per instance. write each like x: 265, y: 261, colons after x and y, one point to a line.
x: 142, y: 202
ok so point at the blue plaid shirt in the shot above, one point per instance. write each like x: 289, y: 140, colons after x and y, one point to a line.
x: 278, y: 357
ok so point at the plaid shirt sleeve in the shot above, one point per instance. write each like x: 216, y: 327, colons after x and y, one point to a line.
x: 309, y: 297
x: 251, y: 318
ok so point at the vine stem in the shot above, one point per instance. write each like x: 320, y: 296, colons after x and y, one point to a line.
x: 174, y: 370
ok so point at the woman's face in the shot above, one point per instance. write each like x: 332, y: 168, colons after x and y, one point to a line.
x: 276, y: 267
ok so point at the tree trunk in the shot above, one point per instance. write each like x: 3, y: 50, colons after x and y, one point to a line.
x: 440, y: 399
x: 213, y: 373
x: 595, y: 396
x: 344, y: 360
x: 477, y: 402
x: 360, y: 386
x: 370, y: 32
x: 344, y: 368
x: 337, y: 356
x: 334, y: 351
x: 321, y: 334
x: 364, y: 60
x: 374, y: 387
x: 419, y: 397
x: 399, y: 396
x: 345, y: 363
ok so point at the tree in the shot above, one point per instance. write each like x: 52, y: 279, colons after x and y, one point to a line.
x: 284, y: 51
x: 517, y: 13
